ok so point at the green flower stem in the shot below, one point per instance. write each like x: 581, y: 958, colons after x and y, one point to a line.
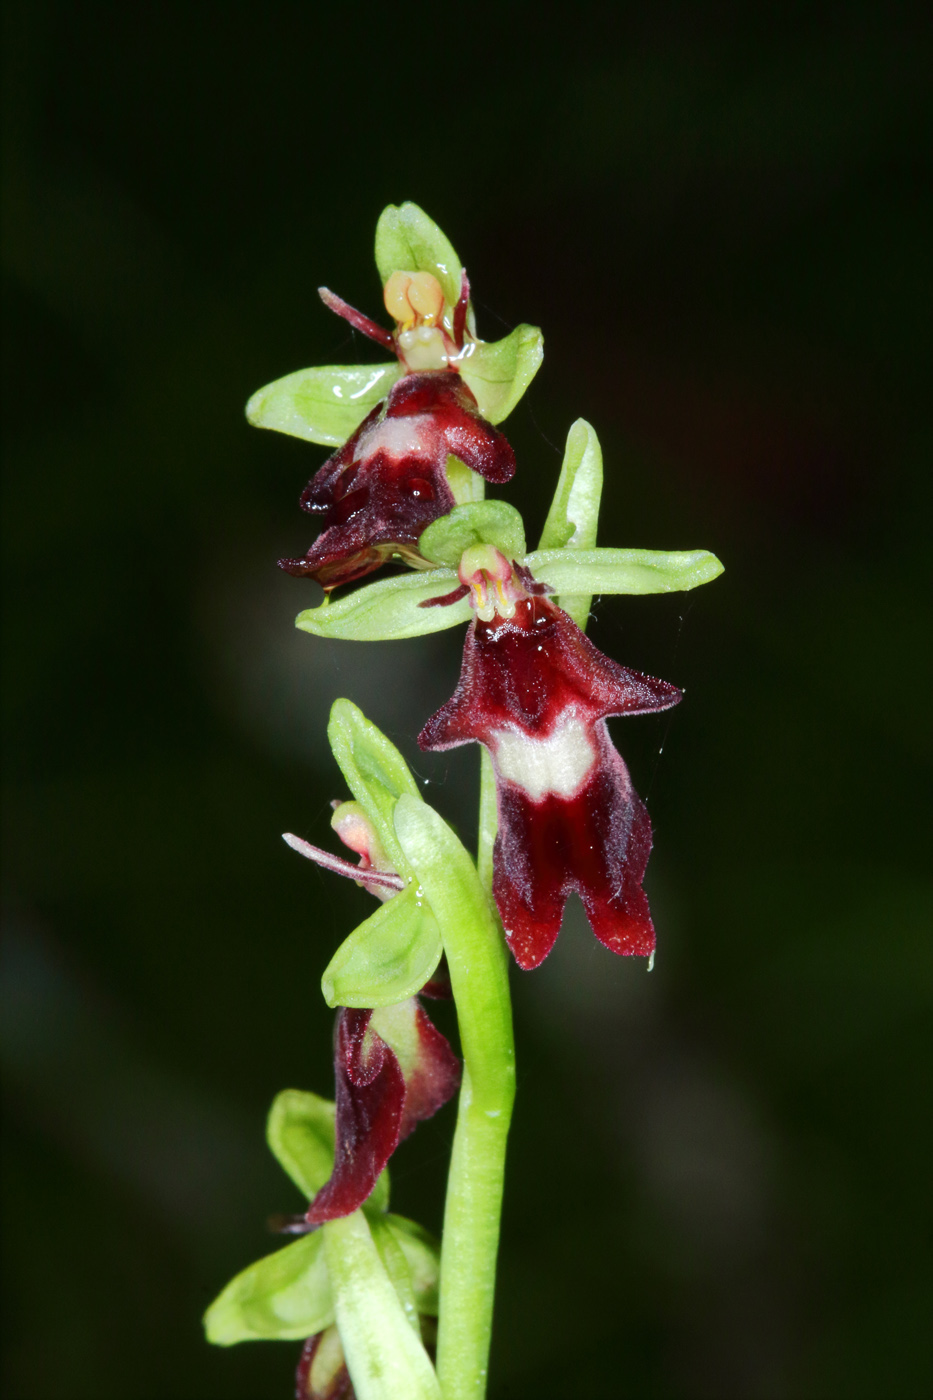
x: 384, y: 1356
x: 478, y: 962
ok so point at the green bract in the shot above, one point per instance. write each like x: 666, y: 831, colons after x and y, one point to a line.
x: 574, y: 513
x: 498, y: 372
x: 408, y: 241
x: 388, y: 958
x: 391, y: 609
x: 322, y: 405
x: 485, y: 522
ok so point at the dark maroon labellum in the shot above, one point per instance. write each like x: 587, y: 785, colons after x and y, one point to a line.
x: 388, y: 482
x: 535, y: 692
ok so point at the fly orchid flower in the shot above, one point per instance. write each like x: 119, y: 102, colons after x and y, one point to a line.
x: 392, y: 1067
x: 414, y: 437
x: 536, y: 693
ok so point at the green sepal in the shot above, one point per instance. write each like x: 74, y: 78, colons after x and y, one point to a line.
x: 499, y: 371
x: 485, y: 522
x: 388, y: 958
x: 423, y: 1253
x: 300, y: 1134
x: 375, y: 771
x: 388, y: 610
x: 284, y: 1297
x: 408, y: 241
x: 592, y: 571
x: 574, y: 513
x: 324, y: 405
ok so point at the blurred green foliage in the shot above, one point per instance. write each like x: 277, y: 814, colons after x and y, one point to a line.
x: 721, y: 220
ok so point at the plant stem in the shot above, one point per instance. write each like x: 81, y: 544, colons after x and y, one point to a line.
x: 478, y: 961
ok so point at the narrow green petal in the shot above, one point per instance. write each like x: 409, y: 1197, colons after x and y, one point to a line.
x: 388, y: 611
x: 574, y: 513
x: 499, y: 371
x: 384, y: 1356
x: 423, y: 1253
x: 388, y: 958
x: 408, y: 241
x: 483, y: 522
x: 324, y: 405
x: 623, y: 570
x: 284, y: 1297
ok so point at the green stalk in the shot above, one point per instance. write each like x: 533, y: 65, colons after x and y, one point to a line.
x: 384, y: 1355
x: 478, y: 962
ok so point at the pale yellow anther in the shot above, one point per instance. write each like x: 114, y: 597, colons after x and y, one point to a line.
x: 395, y: 295
x: 426, y: 298
x: 414, y: 298
x: 482, y: 565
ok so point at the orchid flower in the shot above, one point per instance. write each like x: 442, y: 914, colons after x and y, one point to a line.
x: 392, y: 1067
x: 415, y: 438
x: 536, y: 693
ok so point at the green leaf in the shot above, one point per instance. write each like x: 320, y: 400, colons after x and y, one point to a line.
x: 572, y: 519
x: 376, y: 772
x: 408, y: 241
x: 423, y: 1253
x: 300, y: 1133
x: 499, y: 371
x: 388, y: 610
x: 284, y: 1297
x: 322, y: 405
x: 385, y: 1358
x: 484, y: 522
x: 623, y: 570
x: 388, y: 958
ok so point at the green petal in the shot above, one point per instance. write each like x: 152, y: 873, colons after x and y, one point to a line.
x: 485, y: 522
x: 375, y: 771
x: 423, y: 1253
x: 322, y: 405
x: 499, y: 371
x: 388, y: 958
x: 389, y: 610
x: 284, y: 1297
x: 623, y: 570
x: 408, y: 241
x: 300, y: 1132
x: 574, y: 513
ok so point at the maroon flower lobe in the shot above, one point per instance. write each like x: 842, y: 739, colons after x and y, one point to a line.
x: 536, y: 692
x: 380, y: 491
x: 393, y: 1068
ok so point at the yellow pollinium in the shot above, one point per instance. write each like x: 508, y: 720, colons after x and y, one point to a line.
x: 414, y: 299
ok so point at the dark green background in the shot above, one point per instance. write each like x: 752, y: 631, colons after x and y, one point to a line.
x: 718, y: 1182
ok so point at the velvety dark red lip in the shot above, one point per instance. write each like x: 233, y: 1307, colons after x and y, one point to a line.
x: 529, y: 677
x: 376, y: 502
